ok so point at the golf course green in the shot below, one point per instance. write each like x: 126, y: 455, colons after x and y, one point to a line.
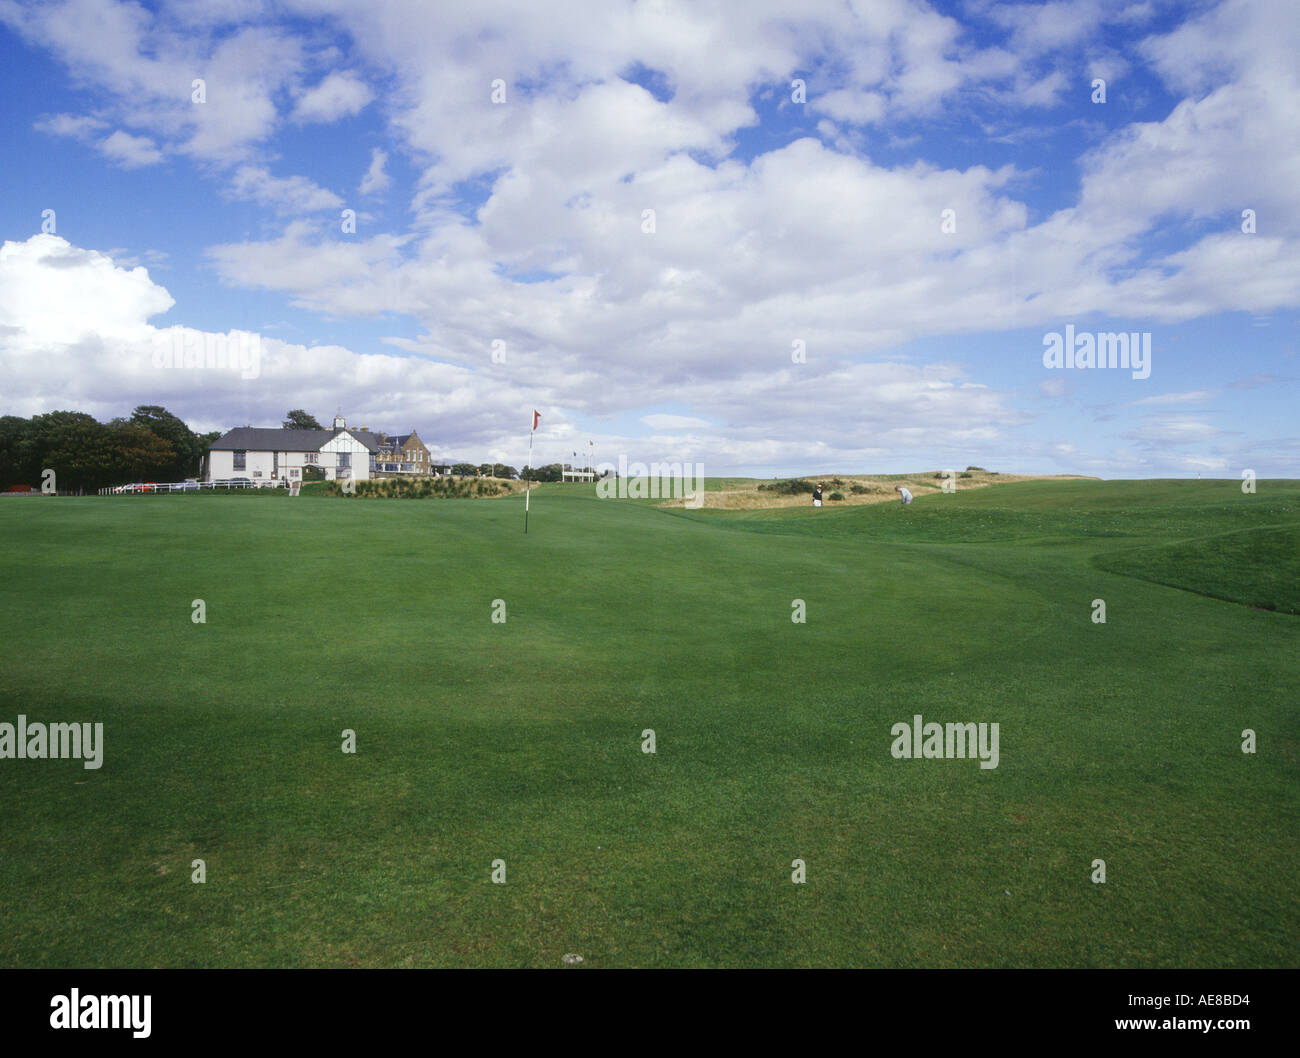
x: 522, y: 738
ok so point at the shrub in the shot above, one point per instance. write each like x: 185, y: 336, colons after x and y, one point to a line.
x: 790, y: 487
x: 964, y: 474
x: 419, y: 488
x: 980, y: 469
x: 857, y: 489
x: 837, y: 495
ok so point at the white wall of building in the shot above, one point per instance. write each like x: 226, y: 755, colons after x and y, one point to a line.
x: 262, y: 465
x: 259, y: 466
x: 345, y: 443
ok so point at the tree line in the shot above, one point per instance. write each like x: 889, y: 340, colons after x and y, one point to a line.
x: 84, y: 453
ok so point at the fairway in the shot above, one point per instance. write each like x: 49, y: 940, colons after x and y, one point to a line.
x: 521, y: 740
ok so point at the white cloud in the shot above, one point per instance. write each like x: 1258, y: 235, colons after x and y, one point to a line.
x: 120, y: 147
x: 73, y: 310
x: 1195, y: 396
x: 674, y: 422
x: 338, y: 95
x: 854, y: 107
x: 1175, y: 432
x: 286, y: 195
x: 1040, y: 27
x: 376, y: 180
x: 56, y: 293
x: 141, y: 69
x: 79, y: 127
x: 816, y: 240
x: 131, y: 152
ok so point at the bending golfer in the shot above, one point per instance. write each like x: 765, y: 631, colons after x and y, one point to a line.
x: 907, y: 496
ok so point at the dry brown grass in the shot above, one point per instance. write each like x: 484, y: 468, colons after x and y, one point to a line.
x: 509, y: 484
x: 922, y: 484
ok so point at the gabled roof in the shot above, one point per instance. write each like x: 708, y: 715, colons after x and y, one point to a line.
x: 398, y: 442
x: 257, y: 439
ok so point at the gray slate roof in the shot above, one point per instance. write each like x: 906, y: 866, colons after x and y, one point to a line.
x: 257, y: 439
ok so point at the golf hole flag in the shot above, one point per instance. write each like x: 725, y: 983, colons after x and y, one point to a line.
x: 537, y: 417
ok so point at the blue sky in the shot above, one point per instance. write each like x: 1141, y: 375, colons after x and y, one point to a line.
x: 780, y: 217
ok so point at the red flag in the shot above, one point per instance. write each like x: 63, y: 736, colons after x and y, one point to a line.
x: 537, y: 417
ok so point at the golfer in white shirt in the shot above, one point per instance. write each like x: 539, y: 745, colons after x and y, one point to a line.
x: 907, y: 496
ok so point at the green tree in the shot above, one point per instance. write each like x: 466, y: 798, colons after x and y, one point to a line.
x: 135, y: 452
x: 62, y: 441
x: 84, y: 453
x: 13, y: 434
x: 187, y: 447
x: 550, y: 472
x: 300, y: 420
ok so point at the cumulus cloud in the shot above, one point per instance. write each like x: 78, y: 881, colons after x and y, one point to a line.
x: 131, y: 152
x: 120, y: 147
x: 338, y: 95
x: 144, y: 70
x: 60, y: 303
x: 822, y: 240
x: 55, y: 292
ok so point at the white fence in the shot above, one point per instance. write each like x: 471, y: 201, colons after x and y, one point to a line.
x: 145, y: 487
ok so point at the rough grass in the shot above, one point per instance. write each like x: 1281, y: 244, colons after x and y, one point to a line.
x: 754, y: 494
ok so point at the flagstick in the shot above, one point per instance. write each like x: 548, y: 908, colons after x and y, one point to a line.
x: 528, y: 488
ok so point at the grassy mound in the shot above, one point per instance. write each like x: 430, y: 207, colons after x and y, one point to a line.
x: 1258, y: 567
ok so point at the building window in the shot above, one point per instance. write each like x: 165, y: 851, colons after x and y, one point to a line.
x: 345, y: 459
x: 311, y: 457
x: 293, y: 472
x: 240, y: 460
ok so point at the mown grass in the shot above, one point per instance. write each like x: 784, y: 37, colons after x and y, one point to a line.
x: 522, y: 741
x: 1258, y: 567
